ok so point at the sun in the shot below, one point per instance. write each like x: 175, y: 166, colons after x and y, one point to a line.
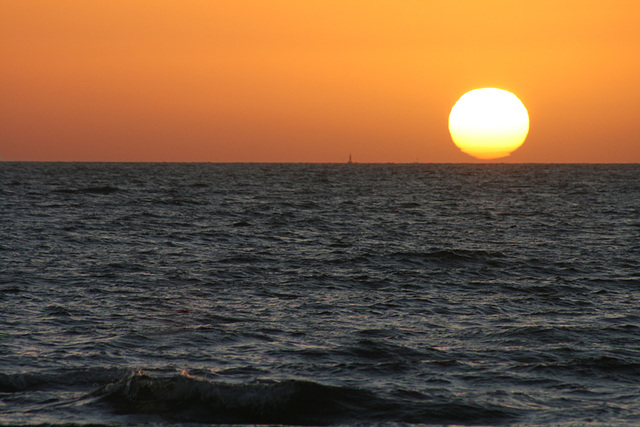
x: 488, y: 123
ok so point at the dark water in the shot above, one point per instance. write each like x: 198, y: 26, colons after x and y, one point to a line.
x: 319, y: 294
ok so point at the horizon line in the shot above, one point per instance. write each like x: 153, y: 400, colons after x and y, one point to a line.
x: 317, y: 163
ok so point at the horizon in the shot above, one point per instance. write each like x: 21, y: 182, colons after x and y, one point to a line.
x: 477, y: 163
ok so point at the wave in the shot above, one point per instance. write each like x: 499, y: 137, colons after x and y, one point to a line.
x: 186, y: 399
x: 602, y: 367
x: 181, y: 398
x: 106, y: 189
x: 452, y: 257
x: 25, y: 381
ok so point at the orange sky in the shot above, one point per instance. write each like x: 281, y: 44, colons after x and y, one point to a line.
x: 312, y: 80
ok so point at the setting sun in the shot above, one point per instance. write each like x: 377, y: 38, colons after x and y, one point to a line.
x: 488, y: 123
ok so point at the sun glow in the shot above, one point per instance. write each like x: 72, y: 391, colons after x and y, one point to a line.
x: 488, y: 123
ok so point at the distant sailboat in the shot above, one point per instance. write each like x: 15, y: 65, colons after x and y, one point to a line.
x: 349, y: 159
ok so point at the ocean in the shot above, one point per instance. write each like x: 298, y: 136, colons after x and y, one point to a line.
x: 319, y: 294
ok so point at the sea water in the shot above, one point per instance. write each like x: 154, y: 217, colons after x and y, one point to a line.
x: 309, y: 294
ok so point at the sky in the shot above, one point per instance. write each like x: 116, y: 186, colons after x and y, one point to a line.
x: 312, y: 80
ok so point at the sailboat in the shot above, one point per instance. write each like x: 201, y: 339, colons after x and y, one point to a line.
x: 349, y: 159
